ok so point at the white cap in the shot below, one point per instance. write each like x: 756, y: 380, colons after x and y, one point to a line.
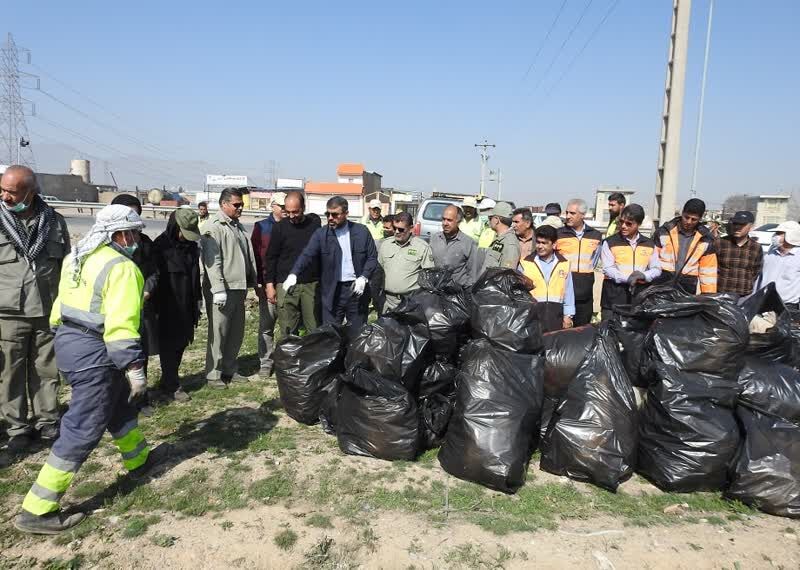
x: 787, y: 226
x: 792, y: 237
x: 487, y: 204
x: 278, y: 198
x: 375, y: 204
x: 469, y: 202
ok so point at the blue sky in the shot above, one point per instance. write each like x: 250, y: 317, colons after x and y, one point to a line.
x: 407, y: 87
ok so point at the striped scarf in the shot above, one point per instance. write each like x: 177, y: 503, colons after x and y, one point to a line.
x: 14, y: 228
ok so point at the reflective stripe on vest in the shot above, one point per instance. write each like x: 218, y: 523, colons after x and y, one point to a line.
x: 578, y: 251
x: 628, y: 258
x: 551, y: 291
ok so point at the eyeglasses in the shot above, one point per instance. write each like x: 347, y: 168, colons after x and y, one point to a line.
x: 237, y: 205
x: 400, y: 230
x: 627, y: 223
x: 333, y: 214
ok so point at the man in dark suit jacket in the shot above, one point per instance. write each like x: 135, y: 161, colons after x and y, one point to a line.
x: 348, y: 257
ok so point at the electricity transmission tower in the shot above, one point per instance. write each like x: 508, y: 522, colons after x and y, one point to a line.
x: 14, y: 140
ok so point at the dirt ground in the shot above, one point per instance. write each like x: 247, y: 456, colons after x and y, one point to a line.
x: 247, y: 487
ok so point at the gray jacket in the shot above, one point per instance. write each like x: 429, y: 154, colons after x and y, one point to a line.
x: 227, y: 255
x: 27, y: 291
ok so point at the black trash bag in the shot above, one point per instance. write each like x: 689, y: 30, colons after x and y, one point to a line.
x: 437, y: 388
x: 777, y: 344
x: 549, y: 405
x: 494, y: 427
x: 377, y: 417
x: 770, y: 388
x: 565, y: 350
x: 444, y: 319
x: 693, y: 333
x: 766, y: 473
x: 504, y: 312
x: 304, y: 365
x: 595, y: 432
x: 688, y: 432
x: 330, y: 399
x: 395, y: 351
x: 631, y: 333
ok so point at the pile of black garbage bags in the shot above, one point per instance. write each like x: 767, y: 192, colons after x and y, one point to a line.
x: 469, y: 371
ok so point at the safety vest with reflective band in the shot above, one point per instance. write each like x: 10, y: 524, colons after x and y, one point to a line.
x: 701, y: 257
x: 628, y: 259
x: 375, y: 228
x: 57, y: 474
x: 581, y: 253
x: 488, y: 236
x: 472, y: 228
x: 106, y: 301
x: 549, y: 294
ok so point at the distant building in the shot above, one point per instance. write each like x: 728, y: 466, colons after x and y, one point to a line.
x: 353, y: 183
x: 768, y: 209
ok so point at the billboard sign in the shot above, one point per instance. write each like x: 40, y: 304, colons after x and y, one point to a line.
x: 226, y: 180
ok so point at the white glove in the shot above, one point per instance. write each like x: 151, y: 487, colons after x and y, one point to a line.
x: 138, y: 382
x: 359, y: 285
x: 220, y: 299
x: 290, y: 282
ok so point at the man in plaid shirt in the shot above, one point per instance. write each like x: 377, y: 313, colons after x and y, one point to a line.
x: 739, y: 257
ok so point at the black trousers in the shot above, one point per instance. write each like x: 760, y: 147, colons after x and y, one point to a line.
x: 583, y: 312
x: 347, y: 305
x: 171, y: 357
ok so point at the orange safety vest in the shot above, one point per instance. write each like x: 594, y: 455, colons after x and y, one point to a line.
x: 549, y: 294
x: 580, y: 253
x: 701, y: 259
x: 627, y: 259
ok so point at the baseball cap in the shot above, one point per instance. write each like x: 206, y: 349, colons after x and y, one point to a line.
x: 743, y: 217
x: 787, y: 226
x: 278, y: 198
x: 792, y: 236
x: 187, y: 221
x: 502, y: 209
x: 486, y: 204
x: 469, y: 202
x: 553, y: 209
x: 375, y: 204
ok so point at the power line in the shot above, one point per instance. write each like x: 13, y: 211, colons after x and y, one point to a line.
x: 596, y: 30
x: 12, y: 112
x: 544, y: 41
x: 563, y: 45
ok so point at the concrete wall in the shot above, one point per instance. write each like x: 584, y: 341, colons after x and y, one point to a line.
x: 67, y: 187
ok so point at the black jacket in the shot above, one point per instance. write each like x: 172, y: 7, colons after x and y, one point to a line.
x: 146, y: 259
x: 286, y: 243
x: 179, y: 292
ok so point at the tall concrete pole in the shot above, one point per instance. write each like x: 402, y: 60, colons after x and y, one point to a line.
x: 484, y: 159
x: 670, y: 144
x: 693, y: 188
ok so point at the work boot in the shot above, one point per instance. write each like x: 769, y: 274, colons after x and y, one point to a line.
x: 49, y: 433
x: 239, y: 379
x: 19, y: 443
x: 51, y: 523
x: 156, y: 457
x: 217, y: 383
x: 181, y: 396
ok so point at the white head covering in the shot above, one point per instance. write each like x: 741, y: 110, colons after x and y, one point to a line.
x: 113, y: 218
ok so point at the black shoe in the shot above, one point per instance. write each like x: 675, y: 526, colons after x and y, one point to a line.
x: 49, y: 432
x: 51, y: 523
x: 156, y: 457
x: 181, y: 396
x: 19, y: 443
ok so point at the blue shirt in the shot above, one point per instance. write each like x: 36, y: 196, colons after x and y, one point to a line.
x: 547, y: 266
x: 783, y: 269
x: 348, y: 272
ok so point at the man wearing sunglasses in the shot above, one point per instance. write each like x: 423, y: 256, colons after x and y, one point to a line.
x: 630, y: 261
x: 402, y: 258
x: 230, y: 270
x: 347, y: 257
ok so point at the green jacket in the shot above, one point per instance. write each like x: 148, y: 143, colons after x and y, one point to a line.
x: 228, y: 255
x: 27, y: 291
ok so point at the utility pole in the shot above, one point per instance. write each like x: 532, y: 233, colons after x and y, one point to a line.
x: 693, y: 188
x: 13, y: 131
x: 484, y: 159
x: 672, y: 115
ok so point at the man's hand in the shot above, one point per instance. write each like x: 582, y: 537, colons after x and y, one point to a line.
x: 359, y: 285
x: 137, y: 381
x: 635, y: 277
x: 272, y: 294
x: 567, y: 322
x: 220, y: 299
x: 146, y: 296
x: 290, y: 282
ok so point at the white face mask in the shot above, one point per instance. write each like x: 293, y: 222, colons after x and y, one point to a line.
x: 777, y: 240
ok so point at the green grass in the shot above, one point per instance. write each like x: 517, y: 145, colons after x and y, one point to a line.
x: 285, y: 539
x: 88, y: 489
x: 163, y: 540
x: 137, y: 526
x: 276, y: 486
x: 318, y: 520
x: 277, y: 440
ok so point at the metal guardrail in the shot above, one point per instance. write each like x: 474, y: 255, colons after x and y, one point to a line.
x: 166, y: 210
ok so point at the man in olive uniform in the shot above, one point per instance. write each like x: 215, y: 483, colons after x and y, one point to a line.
x: 402, y: 258
x: 33, y: 243
x: 504, y: 249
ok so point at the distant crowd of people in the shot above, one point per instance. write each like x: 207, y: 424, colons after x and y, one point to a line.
x: 97, y: 310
